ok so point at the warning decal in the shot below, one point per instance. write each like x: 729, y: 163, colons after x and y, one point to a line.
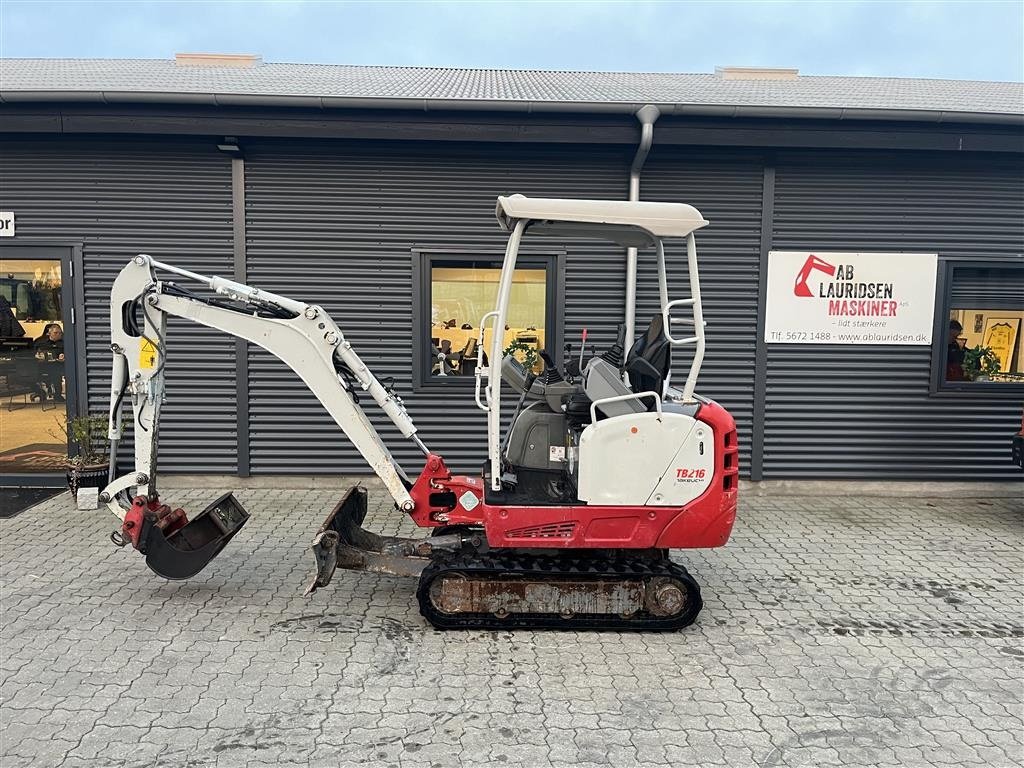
x: 147, y: 354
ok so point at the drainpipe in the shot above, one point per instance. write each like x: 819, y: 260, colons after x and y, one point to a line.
x: 646, y: 115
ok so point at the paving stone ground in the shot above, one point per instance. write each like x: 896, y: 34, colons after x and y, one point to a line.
x: 836, y: 631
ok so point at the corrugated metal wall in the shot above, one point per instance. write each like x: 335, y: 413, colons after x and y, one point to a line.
x: 986, y: 287
x: 727, y: 190
x: 349, y: 215
x: 336, y: 224
x: 171, y: 200
x: 866, y: 412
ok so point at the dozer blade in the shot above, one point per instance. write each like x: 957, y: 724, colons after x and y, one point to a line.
x: 341, y: 542
x: 186, y: 551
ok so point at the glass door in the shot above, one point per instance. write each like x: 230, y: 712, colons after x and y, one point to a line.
x: 36, y: 350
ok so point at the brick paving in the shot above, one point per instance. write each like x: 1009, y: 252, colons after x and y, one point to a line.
x: 836, y: 631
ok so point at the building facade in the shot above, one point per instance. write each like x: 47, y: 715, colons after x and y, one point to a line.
x: 384, y: 215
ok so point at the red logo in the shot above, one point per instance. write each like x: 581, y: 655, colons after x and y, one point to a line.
x: 812, y: 264
x: 690, y: 474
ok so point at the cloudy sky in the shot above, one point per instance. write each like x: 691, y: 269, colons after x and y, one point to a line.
x: 981, y: 39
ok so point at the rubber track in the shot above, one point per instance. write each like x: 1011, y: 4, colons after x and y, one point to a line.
x: 555, y: 568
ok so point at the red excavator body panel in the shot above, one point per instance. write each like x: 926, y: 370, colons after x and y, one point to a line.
x: 706, y: 521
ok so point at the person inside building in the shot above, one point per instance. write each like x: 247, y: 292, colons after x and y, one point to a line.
x: 955, y: 353
x: 49, y: 349
x: 10, y: 328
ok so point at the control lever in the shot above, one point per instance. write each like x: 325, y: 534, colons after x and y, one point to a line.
x: 614, y: 355
x: 572, y: 368
x: 551, y: 373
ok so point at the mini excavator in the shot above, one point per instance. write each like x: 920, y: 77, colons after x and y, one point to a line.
x: 605, y: 467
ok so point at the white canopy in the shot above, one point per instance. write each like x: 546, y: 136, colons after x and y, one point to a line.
x: 627, y: 223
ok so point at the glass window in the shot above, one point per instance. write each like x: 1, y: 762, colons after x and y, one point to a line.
x: 456, y: 291
x: 460, y: 295
x: 31, y: 287
x: 32, y: 366
x: 979, y: 340
x: 984, y: 345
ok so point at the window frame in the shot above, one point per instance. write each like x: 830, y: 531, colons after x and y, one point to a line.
x: 939, y: 387
x: 75, y: 380
x: 423, y: 260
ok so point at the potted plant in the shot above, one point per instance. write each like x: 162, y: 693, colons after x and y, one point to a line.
x: 88, y: 466
x: 980, y: 363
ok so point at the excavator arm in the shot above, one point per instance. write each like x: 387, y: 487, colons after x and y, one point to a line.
x: 301, y: 335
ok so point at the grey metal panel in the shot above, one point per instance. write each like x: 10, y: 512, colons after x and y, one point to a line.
x: 867, y: 412
x: 241, y: 345
x: 1001, y: 287
x: 335, y: 223
x: 756, y: 472
x: 169, y: 199
x: 728, y: 191
x: 503, y: 126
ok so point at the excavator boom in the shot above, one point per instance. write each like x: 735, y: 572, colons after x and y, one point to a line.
x: 302, y: 335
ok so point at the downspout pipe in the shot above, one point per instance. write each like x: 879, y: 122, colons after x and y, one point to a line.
x: 647, y: 116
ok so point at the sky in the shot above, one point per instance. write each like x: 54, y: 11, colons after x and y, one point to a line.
x: 974, y: 40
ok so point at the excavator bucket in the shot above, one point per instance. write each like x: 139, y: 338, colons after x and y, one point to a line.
x: 185, y: 552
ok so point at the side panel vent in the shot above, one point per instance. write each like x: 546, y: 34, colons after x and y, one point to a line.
x: 549, y: 531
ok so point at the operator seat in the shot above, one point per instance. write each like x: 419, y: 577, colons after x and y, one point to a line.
x: 649, y: 361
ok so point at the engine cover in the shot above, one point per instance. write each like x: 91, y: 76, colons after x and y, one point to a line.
x: 645, y: 459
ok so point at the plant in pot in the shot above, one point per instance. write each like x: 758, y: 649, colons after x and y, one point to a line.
x: 980, y: 363
x: 88, y: 465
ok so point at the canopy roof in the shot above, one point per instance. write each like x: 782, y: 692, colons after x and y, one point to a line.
x: 625, y: 222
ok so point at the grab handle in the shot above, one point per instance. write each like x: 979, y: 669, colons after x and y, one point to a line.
x: 620, y: 398
x: 481, y: 369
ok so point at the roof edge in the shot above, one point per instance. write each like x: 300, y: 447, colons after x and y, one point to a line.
x: 491, y: 105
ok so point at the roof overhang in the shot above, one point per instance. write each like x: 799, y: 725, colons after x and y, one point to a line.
x: 503, y: 105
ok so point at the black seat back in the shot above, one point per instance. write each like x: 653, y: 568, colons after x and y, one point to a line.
x: 650, y: 359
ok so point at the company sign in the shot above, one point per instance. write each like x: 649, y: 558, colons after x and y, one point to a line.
x: 850, y: 298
